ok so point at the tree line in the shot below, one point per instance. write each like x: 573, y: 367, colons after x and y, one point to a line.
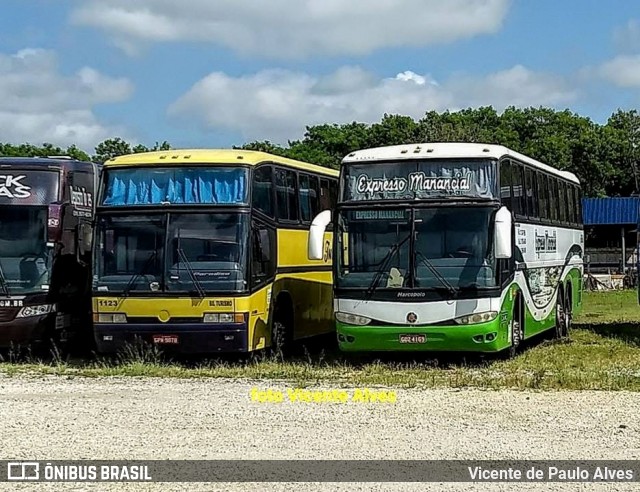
x: 605, y: 156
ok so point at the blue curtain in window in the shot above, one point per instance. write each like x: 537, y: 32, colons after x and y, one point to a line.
x: 155, y: 186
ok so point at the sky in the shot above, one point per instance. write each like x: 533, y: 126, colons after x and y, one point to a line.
x: 217, y: 73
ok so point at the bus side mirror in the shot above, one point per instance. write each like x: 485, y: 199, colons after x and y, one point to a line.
x: 502, y: 234
x: 315, y: 249
x: 85, y: 234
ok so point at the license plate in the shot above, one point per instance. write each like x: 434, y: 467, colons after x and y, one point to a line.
x: 413, y: 338
x: 166, y: 339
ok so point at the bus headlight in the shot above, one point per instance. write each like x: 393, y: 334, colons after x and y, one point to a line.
x: 352, y: 319
x: 223, y: 318
x: 29, y: 311
x: 112, y: 318
x: 474, y: 318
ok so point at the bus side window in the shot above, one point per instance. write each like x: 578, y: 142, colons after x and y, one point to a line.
x: 263, y: 266
x: 571, y: 202
x: 579, y: 205
x: 543, y: 195
x: 505, y: 185
x: 286, y: 194
x: 517, y: 178
x: 531, y: 187
x: 553, y: 199
x: 333, y: 194
x: 325, y: 200
x: 308, y: 186
x: 263, y: 190
x: 314, y: 196
x: 562, y: 201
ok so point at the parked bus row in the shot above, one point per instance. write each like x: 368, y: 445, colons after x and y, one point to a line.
x: 423, y: 247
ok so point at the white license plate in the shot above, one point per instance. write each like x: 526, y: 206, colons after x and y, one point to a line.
x: 413, y: 338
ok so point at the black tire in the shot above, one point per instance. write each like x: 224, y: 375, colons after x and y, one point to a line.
x: 568, y: 311
x: 561, y: 330
x: 516, y: 330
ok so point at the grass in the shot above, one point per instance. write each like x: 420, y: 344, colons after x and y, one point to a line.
x: 603, y: 353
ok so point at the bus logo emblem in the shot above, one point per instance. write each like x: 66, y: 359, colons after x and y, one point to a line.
x: 412, y: 317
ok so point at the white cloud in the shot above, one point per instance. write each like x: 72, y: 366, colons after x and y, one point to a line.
x: 627, y: 37
x: 293, y: 28
x: 516, y: 86
x: 277, y: 104
x: 39, y: 104
x: 623, y: 71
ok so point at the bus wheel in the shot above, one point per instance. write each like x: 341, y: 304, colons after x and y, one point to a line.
x: 568, y: 313
x: 516, y: 326
x: 561, y: 317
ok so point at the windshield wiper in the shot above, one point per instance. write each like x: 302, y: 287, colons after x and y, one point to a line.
x: 3, y: 284
x: 192, y: 275
x: 422, y: 258
x: 143, y: 270
x: 383, y: 267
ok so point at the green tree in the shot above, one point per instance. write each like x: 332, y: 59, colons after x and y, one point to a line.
x: 46, y: 150
x: 111, y: 148
x: 115, y: 147
x: 621, y: 149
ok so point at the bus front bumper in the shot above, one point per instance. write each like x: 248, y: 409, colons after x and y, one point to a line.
x: 25, y: 331
x: 185, y: 338
x: 481, y: 337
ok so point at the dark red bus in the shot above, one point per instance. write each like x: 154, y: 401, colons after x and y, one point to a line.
x: 46, y: 212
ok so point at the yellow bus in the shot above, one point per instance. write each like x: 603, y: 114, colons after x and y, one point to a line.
x: 204, y: 251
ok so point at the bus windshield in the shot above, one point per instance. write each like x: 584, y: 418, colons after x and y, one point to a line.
x: 25, y: 259
x: 172, y: 252
x: 207, y: 252
x: 449, y: 248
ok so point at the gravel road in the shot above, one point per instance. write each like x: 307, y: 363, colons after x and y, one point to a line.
x: 44, y: 418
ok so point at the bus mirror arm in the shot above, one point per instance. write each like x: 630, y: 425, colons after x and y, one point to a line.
x: 316, y: 235
x: 502, y: 234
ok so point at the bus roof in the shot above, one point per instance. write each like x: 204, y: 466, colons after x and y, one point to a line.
x: 182, y: 157
x: 444, y: 150
x: 56, y: 162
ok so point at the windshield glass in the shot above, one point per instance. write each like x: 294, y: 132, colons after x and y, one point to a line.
x: 202, y: 252
x: 419, y: 179
x: 369, y: 241
x: 129, y: 253
x: 449, y: 248
x: 455, y: 241
x: 25, y: 259
x: 206, y: 251
x: 176, y: 185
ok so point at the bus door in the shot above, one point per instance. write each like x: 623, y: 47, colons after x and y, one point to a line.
x: 263, y: 260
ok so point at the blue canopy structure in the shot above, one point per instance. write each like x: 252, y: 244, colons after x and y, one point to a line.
x: 610, y: 211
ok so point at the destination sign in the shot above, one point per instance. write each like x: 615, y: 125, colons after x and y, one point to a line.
x: 19, y: 187
x: 424, y: 179
x: 418, y: 181
x: 379, y: 214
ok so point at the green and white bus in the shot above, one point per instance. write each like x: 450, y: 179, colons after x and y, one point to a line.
x: 452, y: 247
